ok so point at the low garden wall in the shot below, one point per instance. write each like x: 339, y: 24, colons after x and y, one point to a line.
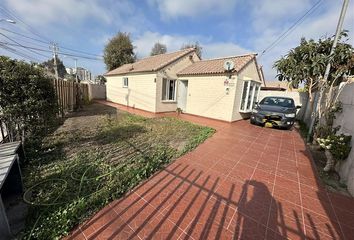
x: 97, y: 91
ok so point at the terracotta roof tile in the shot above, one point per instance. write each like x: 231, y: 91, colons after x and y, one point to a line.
x: 150, y: 64
x: 215, y: 66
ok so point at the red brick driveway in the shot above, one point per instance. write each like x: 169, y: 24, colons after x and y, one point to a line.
x: 245, y: 182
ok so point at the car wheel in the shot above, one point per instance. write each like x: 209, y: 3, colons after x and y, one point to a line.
x: 253, y: 122
x: 288, y: 127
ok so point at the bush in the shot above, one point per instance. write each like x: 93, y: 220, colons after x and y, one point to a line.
x: 338, y: 145
x: 28, y: 103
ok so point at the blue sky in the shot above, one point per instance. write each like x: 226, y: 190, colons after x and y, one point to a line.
x: 222, y: 27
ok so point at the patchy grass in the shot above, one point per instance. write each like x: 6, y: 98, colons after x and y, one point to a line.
x: 95, y: 157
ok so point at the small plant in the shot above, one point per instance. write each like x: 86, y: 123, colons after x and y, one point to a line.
x: 179, y: 111
x: 338, y: 145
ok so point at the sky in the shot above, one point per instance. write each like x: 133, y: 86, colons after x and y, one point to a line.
x: 222, y: 27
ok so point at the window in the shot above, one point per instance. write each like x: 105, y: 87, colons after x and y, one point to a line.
x: 168, y: 89
x: 250, y: 92
x: 278, y: 101
x: 125, y: 82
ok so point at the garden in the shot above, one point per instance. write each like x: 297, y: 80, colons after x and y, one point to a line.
x: 76, y: 165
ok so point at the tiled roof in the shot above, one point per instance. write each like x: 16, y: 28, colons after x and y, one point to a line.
x: 150, y: 64
x: 216, y: 66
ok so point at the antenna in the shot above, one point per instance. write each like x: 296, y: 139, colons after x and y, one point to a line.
x: 229, y: 65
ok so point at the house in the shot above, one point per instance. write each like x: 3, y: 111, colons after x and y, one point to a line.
x: 221, y: 88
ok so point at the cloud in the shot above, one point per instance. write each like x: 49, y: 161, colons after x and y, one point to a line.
x: 321, y: 23
x: 211, y: 48
x: 170, y: 9
x: 44, y: 12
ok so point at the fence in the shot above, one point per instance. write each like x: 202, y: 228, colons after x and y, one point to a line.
x: 70, y: 95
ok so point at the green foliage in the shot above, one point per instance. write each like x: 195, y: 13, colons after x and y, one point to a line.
x: 308, y: 61
x: 119, y: 51
x: 158, y: 48
x: 100, y: 80
x: 196, y: 45
x: 338, y: 145
x: 122, y: 153
x: 49, y: 65
x: 27, y: 99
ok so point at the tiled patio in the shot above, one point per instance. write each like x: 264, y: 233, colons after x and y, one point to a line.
x: 245, y: 182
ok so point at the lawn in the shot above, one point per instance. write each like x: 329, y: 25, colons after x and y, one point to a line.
x: 97, y: 155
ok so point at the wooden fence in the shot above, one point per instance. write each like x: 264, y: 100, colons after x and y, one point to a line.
x: 70, y: 95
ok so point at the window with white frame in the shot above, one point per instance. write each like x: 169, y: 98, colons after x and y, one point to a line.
x: 125, y: 82
x: 168, y: 89
x: 250, y: 92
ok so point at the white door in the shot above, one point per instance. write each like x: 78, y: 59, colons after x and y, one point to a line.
x: 182, y: 94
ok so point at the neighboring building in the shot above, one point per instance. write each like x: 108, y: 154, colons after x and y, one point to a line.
x: 83, y: 74
x: 165, y: 82
x: 278, y: 86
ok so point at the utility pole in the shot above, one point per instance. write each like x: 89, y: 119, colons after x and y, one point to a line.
x: 76, y: 79
x: 55, y: 56
x: 328, y: 68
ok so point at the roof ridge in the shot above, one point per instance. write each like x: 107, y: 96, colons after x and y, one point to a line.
x: 159, y: 55
x: 233, y: 56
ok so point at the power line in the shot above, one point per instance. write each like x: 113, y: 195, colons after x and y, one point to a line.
x: 44, y: 50
x: 19, y: 44
x: 38, y: 40
x: 292, y: 27
x: 27, y: 26
x: 12, y: 50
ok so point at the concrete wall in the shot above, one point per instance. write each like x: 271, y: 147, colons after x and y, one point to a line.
x: 97, y: 91
x: 170, y: 72
x: 141, y: 92
x: 346, y: 120
x: 300, y: 99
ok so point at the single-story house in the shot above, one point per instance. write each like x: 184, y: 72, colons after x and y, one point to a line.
x: 222, y: 88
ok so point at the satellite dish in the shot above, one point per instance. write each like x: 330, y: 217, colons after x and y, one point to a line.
x: 229, y: 65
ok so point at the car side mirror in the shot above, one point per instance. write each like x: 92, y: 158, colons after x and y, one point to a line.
x: 298, y: 107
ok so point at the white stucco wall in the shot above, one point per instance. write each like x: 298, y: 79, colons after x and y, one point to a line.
x: 207, y: 97
x: 141, y: 92
x: 346, y: 121
x: 170, y: 72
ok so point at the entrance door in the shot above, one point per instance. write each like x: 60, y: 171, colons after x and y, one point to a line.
x: 182, y: 94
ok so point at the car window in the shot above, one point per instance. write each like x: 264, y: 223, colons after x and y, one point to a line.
x: 278, y: 101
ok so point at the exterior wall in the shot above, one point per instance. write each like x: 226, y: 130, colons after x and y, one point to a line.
x: 170, y: 73
x: 250, y: 72
x: 141, y: 92
x: 207, y: 97
x: 345, y: 120
x: 97, y: 91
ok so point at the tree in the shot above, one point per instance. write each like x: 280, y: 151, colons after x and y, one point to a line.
x: 307, y: 64
x: 27, y: 99
x: 49, y: 65
x: 198, y: 48
x: 158, y: 48
x: 100, y: 80
x: 119, y: 51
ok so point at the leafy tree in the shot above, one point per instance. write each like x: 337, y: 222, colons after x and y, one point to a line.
x: 119, y: 51
x: 27, y: 99
x: 307, y: 64
x: 100, y: 80
x: 49, y: 65
x: 158, y: 48
x: 197, y: 47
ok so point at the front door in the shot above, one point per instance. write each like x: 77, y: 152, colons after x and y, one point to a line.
x: 182, y: 94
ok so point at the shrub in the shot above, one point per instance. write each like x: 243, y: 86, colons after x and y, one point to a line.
x: 28, y: 103
x: 338, y: 145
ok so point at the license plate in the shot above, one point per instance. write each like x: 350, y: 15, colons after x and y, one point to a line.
x: 268, y: 124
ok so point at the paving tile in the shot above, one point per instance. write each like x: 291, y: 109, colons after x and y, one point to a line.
x: 245, y: 182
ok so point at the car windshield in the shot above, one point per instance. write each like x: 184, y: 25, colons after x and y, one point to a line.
x: 278, y: 101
